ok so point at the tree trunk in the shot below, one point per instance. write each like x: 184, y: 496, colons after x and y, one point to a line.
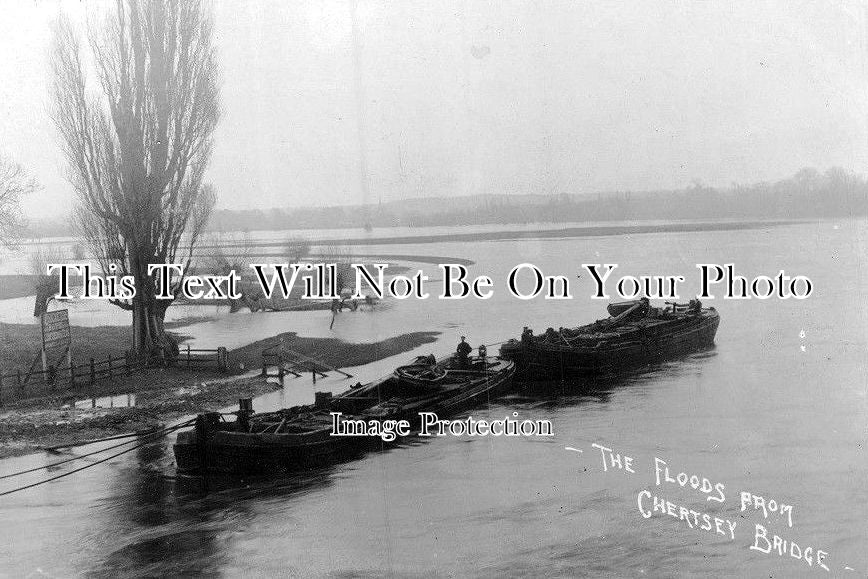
x: 150, y: 339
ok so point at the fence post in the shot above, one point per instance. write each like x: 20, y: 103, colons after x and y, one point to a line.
x: 264, y: 366
x: 188, y: 355
x: 222, y: 359
x: 92, y: 372
x: 280, y: 370
x: 313, y: 372
x: 46, y: 375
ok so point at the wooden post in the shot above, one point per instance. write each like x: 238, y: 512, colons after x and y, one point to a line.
x: 264, y: 367
x: 92, y: 372
x: 202, y: 449
x: 44, y: 366
x: 313, y: 372
x: 222, y: 359
x: 188, y: 355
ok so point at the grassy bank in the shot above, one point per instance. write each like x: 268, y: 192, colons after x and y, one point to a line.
x: 19, y: 343
x: 17, y: 286
x: 331, y: 351
x: 42, y: 417
x: 23, y: 285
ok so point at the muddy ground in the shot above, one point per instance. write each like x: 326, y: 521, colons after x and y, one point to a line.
x: 30, y: 425
x: 39, y: 417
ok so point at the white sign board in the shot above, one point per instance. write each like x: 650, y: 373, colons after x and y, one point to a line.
x: 55, y: 329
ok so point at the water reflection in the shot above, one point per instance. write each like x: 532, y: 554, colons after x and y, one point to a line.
x: 115, y: 401
x: 601, y: 387
x: 174, y: 538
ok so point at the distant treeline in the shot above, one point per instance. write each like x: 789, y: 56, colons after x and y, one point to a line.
x: 807, y: 194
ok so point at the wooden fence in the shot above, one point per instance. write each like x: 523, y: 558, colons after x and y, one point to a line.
x: 286, y: 361
x: 93, y: 371
x: 199, y: 357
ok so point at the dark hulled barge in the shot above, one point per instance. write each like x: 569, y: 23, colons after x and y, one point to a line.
x: 302, y: 436
x: 634, y: 334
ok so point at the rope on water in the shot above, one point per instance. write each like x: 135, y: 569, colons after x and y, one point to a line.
x: 96, y: 440
x: 153, y: 437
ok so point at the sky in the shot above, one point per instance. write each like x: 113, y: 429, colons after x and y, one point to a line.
x: 350, y: 101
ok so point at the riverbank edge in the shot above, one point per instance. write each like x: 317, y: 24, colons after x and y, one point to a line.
x: 33, y: 425
x: 165, y: 395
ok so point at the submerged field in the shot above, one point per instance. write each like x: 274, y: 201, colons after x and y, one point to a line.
x: 777, y: 409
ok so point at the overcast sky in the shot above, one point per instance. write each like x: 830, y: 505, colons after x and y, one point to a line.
x: 492, y: 97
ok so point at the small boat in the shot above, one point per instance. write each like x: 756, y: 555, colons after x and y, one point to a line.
x: 634, y: 334
x: 302, y: 436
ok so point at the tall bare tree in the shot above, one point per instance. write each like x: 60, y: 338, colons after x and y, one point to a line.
x: 14, y: 184
x: 139, y: 142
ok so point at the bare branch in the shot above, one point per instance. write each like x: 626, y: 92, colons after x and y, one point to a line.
x: 14, y: 185
x: 139, y: 141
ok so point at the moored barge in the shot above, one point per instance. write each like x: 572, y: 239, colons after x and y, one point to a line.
x: 635, y: 334
x: 302, y: 436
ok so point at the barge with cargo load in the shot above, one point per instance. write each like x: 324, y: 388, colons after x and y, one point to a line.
x: 302, y: 436
x: 635, y: 334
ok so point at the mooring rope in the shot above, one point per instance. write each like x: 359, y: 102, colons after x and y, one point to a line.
x: 96, y: 440
x: 153, y: 437
x: 161, y: 432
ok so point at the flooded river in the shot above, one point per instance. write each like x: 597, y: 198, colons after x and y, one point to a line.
x: 778, y: 409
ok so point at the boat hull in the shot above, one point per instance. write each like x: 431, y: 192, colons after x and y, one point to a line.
x: 237, y: 452
x: 231, y: 452
x: 535, y: 361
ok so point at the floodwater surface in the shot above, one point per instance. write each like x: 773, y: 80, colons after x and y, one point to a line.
x: 778, y: 408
